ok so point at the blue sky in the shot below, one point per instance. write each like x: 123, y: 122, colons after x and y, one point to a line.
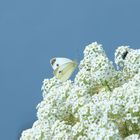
x: 33, y: 31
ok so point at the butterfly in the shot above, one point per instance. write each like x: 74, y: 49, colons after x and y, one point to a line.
x: 63, y: 67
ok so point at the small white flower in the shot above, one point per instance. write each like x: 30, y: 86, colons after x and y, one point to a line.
x: 135, y: 109
x: 135, y: 120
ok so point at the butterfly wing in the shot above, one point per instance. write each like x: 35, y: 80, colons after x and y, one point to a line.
x: 59, y: 61
x: 64, y: 71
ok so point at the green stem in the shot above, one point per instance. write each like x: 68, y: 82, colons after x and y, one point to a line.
x: 106, y: 83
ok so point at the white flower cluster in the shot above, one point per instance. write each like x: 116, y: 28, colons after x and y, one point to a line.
x: 101, y: 104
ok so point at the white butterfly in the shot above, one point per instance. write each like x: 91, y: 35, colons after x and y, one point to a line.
x: 63, y: 68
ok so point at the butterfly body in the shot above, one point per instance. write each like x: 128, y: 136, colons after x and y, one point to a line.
x: 63, y: 67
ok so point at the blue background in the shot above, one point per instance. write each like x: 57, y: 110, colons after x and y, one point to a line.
x: 33, y: 31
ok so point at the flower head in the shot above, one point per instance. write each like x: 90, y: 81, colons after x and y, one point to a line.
x: 101, y: 103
